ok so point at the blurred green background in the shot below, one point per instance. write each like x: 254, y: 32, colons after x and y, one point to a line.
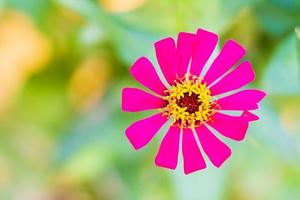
x: 63, y: 64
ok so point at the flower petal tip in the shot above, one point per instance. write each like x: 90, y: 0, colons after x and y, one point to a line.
x: 162, y: 165
x: 141, y: 132
x: 250, y: 116
x: 123, y: 105
x: 224, y: 159
x: 262, y: 95
x: 152, y: 81
x: 185, y: 34
x: 164, y: 41
x: 201, y: 32
x: 190, y: 171
x: 167, y: 155
x: 238, y: 46
x: 131, y: 139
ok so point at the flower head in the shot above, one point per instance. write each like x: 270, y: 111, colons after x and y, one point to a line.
x: 194, y: 101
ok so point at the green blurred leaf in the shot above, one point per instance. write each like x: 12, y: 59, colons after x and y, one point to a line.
x: 282, y: 73
x: 269, y: 132
x: 134, y: 33
x: 38, y: 10
x: 278, y: 17
x: 130, y: 41
x: 96, y: 145
x: 88, y: 163
x: 246, y: 30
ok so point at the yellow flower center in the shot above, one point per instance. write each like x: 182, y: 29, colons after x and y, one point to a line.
x: 189, y: 102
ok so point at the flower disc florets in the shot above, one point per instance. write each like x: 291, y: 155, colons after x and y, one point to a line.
x: 189, y: 102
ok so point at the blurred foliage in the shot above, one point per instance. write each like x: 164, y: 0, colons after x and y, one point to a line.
x: 63, y: 64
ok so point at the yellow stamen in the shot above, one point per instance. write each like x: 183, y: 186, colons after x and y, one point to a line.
x: 189, y: 102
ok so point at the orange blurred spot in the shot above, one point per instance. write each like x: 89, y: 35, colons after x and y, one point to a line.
x: 89, y: 82
x: 23, y: 51
x: 117, y: 6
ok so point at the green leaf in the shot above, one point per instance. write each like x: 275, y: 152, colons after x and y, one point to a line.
x: 130, y: 41
x: 271, y: 134
x: 282, y: 73
x: 278, y: 17
x: 38, y: 10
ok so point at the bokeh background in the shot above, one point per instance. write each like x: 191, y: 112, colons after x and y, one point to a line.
x: 63, y: 64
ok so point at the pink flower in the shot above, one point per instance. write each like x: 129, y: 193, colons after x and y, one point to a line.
x: 193, y: 102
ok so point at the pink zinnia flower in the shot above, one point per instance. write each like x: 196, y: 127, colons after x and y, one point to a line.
x: 193, y: 101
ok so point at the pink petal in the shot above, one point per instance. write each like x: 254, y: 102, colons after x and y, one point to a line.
x: 134, y: 100
x: 186, y: 44
x: 192, y: 157
x: 243, y: 100
x: 167, y: 155
x: 250, y: 116
x: 207, y: 42
x: 141, y: 132
x: 216, y: 150
x: 143, y: 71
x: 230, y: 54
x: 239, y: 77
x: 230, y: 126
x: 167, y: 59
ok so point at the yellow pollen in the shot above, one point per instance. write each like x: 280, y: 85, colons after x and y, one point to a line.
x: 189, y: 102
